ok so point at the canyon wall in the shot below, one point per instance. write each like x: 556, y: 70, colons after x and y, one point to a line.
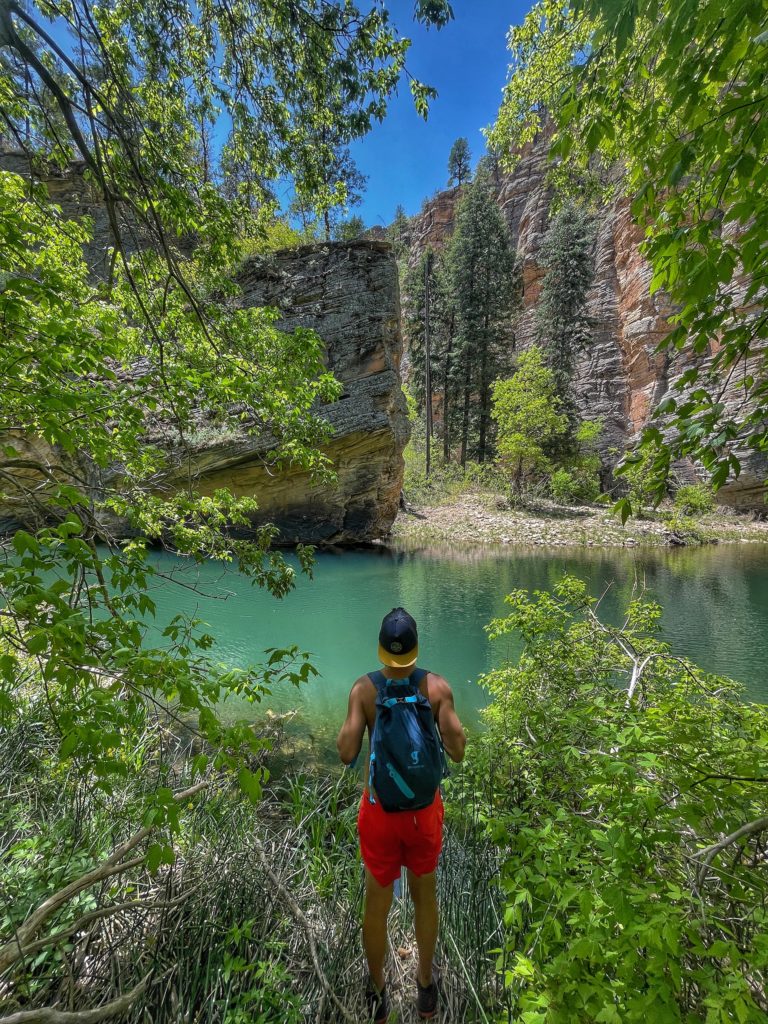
x: 621, y: 378
x: 348, y: 293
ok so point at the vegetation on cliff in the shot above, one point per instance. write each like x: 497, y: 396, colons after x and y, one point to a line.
x: 675, y: 94
x: 473, y: 288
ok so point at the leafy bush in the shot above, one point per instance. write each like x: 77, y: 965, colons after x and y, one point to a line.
x: 638, y: 470
x: 628, y: 798
x: 694, y: 499
x: 579, y: 479
x: 564, y: 486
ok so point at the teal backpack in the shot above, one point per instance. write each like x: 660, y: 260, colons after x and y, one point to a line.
x: 407, y: 758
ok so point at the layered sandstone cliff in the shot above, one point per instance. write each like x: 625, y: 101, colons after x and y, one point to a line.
x: 348, y: 293
x: 622, y: 377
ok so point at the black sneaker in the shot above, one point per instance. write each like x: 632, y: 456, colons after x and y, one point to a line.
x: 377, y: 1004
x: 426, y: 998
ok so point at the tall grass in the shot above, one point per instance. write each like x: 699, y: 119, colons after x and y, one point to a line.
x: 256, y: 921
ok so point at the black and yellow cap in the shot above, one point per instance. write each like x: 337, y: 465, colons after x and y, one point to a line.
x: 398, y: 639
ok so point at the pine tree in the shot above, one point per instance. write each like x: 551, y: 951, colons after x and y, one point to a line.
x: 490, y: 165
x: 397, y: 232
x: 563, y: 325
x: 442, y: 318
x: 485, y: 290
x: 459, y: 163
x: 348, y: 230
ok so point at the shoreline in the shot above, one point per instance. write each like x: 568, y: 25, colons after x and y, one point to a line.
x: 479, y: 518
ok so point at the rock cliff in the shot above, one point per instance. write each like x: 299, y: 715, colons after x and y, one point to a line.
x: 621, y: 378
x: 349, y: 294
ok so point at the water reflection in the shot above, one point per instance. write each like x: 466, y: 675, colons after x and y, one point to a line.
x: 715, y: 602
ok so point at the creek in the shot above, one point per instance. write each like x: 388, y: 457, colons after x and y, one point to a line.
x: 714, y: 599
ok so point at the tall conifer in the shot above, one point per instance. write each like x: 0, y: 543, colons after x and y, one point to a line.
x: 563, y: 324
x: 459, y: 163
x: 485, y: 290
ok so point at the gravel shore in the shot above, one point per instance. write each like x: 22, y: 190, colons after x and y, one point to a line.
x: 482, y: 518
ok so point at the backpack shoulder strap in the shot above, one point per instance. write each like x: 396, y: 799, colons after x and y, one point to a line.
x: 418, y: 675
x: 378, y: 679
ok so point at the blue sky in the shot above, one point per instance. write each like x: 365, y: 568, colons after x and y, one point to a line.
x: 405, y: 158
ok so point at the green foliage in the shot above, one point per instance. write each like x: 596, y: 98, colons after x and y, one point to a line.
x: 109, y: 373
x: 334, y: 185
x: 674, y: 94
x: 694, y: 500
x: 349, y: 230
x: 484, y: 285
x: 459, y: 163
x: 564, y: 486
x: 618, y: 777
x: 527, y: 410
x: 563, y: 327
x: 398, y: 232
x: 638, y: 470
x: 107, y: 382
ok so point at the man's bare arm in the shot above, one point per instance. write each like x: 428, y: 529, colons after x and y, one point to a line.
x: 350, y: 738
x: 448, y: 722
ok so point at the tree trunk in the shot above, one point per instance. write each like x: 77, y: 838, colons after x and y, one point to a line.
x: 327, y: 223
x: 465, y: 420
x: 446, y: 396
x: 483, y: 394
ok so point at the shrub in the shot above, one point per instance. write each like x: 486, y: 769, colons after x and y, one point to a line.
x: 626, y: 792
x: 694, y: 500
x: 564, y: 486
x: 638, y: 470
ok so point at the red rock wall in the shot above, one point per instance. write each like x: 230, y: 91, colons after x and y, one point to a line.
x: 622, y: 377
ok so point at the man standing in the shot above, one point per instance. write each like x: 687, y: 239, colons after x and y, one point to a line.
x: 408, y: 702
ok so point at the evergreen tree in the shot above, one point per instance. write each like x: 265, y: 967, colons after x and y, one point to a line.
x: 489, y: 164
x: 485, y: 290
x: 442, y: 319
x: 563, y: 326
x: 348, y: 230
x: 332, y: 182
x: 459, y: 163
x: 397, y: 232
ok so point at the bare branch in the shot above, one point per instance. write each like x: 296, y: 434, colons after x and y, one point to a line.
x: 115, y: 864
x: 710, y: 852
x: 50, y: 1015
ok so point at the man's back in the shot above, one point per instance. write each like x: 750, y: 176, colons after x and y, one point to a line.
x: 361, y: 714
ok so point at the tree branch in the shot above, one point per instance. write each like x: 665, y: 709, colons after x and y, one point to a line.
x: 710, y: 852
x: 113, y: 865
x: 50, y: 1015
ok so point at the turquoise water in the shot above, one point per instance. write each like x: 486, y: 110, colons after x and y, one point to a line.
x: 715, y: 603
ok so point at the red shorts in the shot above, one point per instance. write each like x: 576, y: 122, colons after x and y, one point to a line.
x: 389, y: 839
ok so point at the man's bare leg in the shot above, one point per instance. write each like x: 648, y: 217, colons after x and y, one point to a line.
x: 378, y: 900
x: 424, y: 893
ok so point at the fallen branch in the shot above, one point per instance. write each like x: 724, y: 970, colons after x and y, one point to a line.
x: 115, y: 864
x: 50, y: 1015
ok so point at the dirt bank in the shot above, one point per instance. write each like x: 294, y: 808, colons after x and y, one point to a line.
x: 482, y: 518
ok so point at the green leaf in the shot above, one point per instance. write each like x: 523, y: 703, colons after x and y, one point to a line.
x: 250, y: 784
